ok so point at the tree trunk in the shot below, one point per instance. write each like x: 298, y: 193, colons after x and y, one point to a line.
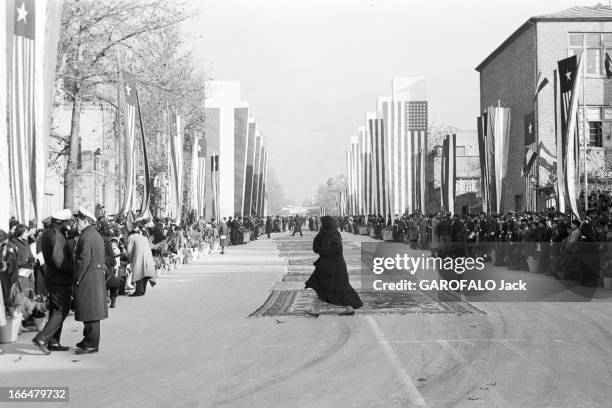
x: 73, y: 157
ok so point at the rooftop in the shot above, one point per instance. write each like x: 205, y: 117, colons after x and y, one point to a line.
x: 594, y: 13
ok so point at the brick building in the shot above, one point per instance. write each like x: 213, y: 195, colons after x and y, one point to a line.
x: 508, y: 76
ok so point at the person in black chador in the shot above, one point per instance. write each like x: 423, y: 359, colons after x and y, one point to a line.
x: 330, y: 277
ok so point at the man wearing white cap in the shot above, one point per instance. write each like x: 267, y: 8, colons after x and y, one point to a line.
x: 58, y: 279
x: 90, y: 284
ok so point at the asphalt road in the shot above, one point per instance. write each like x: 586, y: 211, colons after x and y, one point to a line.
x: 189, y: 343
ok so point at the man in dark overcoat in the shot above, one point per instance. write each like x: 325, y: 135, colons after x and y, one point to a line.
x: 268, y: 226
x: 58, y: 280
x: 90, y: 285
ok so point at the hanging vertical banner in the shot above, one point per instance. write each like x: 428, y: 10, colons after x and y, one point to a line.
x: 47, y: 29
x: 201, y: 175
x: 5, y: 61
x: 128, y: 86
x: 417, y: 126
x: 484, y: 179
x: 145, y: 212
x: 570, y: 70
x: 21, y: 107
x: 177, y: 160
x: 443, y: 175
x: 450, y: 172
x: 497, y: 142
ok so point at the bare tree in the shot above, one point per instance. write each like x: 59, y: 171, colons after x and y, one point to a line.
x: 92, y: 31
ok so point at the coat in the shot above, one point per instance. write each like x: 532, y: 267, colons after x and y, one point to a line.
x: 223, y: 229
x: 140, y: 256
x: 330, y: 278
x: 435, y: 237
x: 58, y: 258
x: 90, y: 285
x: 268, y: 226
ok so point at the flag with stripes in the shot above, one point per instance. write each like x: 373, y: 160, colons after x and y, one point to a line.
x: 530, y: 158
x: 497, y: 141
x: 21, y: 107
x: 484, y: 177
x: 569, y: 73
x: 128, y: 90
x: 201, y: 175
x: 417, y: 128
x: 145, y: 212
x: 214, y: 182
x: 5, y: 181
x: 449, y: 171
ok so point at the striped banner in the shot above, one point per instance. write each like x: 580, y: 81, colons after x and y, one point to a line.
x: 5, y: 189
x: 47, y: 36
x: 417, y: 126
x: 450, y: 172
x: 145, y: 212
x: 570, y: 70
x: 128, y: 86
x: 214, y: 179
x: 482, y: 154
x: 21, y: 109
x: 497, y: 142
x: 201, y: 176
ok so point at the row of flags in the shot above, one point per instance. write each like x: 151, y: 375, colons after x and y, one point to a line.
x: 493, y: 139
x: 387, y: 161
x: 29, y: 35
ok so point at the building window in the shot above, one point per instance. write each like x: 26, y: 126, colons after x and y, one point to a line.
x: 595, y: 45
x: 595, y: 126
x: 595, y: 134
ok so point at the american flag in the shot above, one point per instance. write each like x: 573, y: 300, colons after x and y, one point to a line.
x: 128, y: 86
x: 21, y: 136
x: 417, y: 128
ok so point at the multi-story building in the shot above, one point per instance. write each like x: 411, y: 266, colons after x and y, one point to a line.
x: 508, y: 78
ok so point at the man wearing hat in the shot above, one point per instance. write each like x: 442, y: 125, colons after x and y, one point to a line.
x: 90, y: 285
x: 58, y: 279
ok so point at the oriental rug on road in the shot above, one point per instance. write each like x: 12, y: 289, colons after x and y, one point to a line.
x: 288, y: 297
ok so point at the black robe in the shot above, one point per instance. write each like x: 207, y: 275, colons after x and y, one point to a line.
x: 330, y: 277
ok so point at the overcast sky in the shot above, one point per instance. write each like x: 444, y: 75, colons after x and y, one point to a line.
x: 310, y: 69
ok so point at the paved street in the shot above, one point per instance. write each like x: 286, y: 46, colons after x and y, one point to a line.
x: 189, y: 343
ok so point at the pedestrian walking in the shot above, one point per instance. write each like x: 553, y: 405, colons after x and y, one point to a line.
x: 268, y: 226
x: 330, y: 278
x: 297, y: 226
x: 223, y: 231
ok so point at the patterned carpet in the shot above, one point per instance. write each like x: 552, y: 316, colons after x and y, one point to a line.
x: 298, y: 253
x: 294, y: 302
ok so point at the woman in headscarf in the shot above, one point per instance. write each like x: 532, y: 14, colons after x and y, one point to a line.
x: 330, y: 278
